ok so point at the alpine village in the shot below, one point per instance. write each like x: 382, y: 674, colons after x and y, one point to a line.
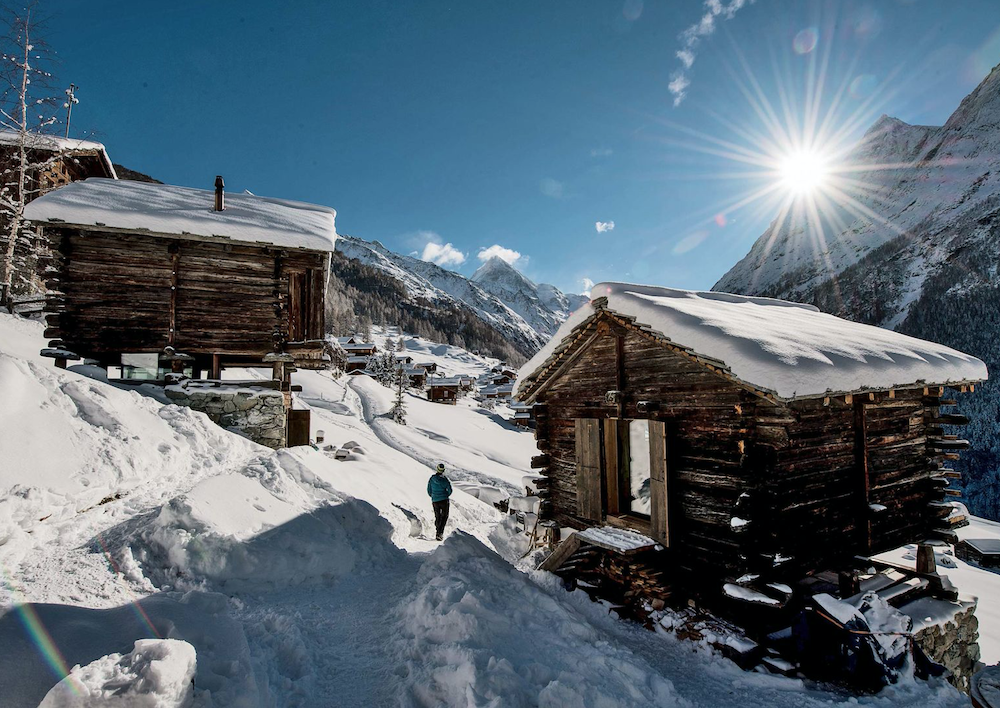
x: 219, y: 417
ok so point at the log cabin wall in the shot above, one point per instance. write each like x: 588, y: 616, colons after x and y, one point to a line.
x: 709, y: 420
x: 117, y: 292
x: 846, y: 459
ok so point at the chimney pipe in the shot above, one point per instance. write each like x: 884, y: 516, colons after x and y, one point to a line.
x: 220, y: 198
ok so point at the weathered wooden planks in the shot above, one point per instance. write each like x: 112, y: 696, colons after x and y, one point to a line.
x: 118, y: 292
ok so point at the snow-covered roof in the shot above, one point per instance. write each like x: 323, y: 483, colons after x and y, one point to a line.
x: 448, y: 382
x: 167, y: 209
x: 55, y: 143
x: 787, y: 349
x: 357, y: 359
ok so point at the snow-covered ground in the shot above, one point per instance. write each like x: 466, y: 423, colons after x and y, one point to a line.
x: 144, y: 545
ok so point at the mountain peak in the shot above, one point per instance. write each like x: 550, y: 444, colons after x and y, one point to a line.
x: 495, y: 267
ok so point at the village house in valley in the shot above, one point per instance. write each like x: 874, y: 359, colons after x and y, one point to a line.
x: 758, y: 446
x: 159, y: 280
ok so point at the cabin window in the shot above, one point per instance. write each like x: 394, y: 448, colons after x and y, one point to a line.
x: 621, y: 473
x: 638, y: 471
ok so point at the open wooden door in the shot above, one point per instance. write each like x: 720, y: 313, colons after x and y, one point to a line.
x: 589, y: 470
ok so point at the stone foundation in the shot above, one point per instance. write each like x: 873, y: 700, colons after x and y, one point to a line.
x: 949, y: 636
x: 257, y: 414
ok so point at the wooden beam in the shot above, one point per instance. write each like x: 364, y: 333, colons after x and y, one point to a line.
x: 175, y: 257
x: 563, y: 551
x: 864, y: 482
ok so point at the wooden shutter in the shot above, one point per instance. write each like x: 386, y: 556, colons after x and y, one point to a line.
x: 317, y: 283
x: 296, y: 306
x: 659, y: 520
x: 588, y: 468
x: 614, y: 451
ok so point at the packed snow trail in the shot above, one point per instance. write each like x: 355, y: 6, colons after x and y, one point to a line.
x: 362, y: 386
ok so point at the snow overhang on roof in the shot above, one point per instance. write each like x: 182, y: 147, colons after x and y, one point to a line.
x: 55, y: 143
x: 184, y: 211
x: 783, y: 349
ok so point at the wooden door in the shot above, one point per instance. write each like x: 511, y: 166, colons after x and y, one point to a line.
x: 298, y: 427
x: 589, y: 496
x: 297, y: 304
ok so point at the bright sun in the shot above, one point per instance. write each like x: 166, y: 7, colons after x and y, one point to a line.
x: 803, y: 172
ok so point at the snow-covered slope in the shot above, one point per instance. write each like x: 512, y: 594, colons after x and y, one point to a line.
x: 289, y: 578
x: 542, y: 306
x: 923, y: 259
x: 431, y: 283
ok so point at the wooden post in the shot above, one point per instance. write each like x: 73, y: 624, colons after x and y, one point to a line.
x: 620, y: 373
x: 850, y: 584
x: 926, y: 562
x: 216, y: 366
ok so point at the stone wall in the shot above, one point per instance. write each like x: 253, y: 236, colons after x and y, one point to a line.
x: 950, y: 638
x: 258, y: 414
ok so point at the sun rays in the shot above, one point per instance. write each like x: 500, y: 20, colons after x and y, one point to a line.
x: 794, y: 153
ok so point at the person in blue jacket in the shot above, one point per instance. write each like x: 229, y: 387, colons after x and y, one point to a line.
x: 439, y: 490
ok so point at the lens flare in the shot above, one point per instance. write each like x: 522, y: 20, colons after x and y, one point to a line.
x: 37, y: 632
x: 805, y: 41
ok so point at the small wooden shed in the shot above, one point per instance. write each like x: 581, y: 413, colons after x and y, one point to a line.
x: 184, y: 279
x: 748, y: 437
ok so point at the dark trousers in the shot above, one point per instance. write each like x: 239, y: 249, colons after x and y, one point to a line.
x: 440, y: 515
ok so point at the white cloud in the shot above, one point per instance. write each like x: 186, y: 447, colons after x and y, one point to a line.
x: 587, y: 284
x: 603, y: 226
x: 504, y: 254
x: 691, y: 38
x: 442, y: 254
x: 551, y: 188
x: 602, y: 152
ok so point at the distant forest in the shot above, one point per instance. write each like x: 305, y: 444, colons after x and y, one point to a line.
x: 360, y: 296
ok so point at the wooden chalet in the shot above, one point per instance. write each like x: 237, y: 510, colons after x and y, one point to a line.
x: 55, y: 160
x: 52, y: 161
x: 356, y: 363
x: 752, y: 440
x: 443, y: 390
x: 185, y: 279
x: 359, y: 348
x: 416, y: 376
x: 429, y: 367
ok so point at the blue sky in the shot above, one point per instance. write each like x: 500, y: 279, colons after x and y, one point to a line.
x: 513, y: 124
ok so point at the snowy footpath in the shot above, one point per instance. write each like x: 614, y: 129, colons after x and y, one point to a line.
x: 150, y: 558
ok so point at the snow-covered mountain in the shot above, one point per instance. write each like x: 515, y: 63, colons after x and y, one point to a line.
x: 923, y: 259
x: 433, y: 284
x: 542, y: 306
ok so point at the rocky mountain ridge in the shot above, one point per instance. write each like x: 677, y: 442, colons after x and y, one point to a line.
x: 542, y: 306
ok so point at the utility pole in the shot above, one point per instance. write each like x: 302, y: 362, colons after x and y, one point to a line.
x: 70, y: 100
